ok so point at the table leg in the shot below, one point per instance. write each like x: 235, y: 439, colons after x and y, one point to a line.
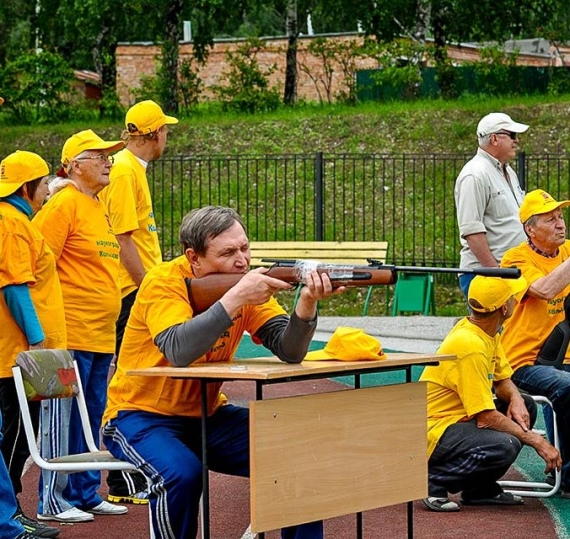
x: 259, y: 397
x: 205, y: 471
x: 410, y: 504
x: 358, y: 515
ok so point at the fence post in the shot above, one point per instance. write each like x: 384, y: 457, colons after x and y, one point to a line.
x: 319, y: 196
x: 522, y: 169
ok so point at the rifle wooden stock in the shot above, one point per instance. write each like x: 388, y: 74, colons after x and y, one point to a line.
x: 203, y: 292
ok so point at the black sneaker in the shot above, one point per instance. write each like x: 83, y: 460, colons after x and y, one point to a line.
x: 34, y: 528
x: 503, y: 498
x: 26, y: 535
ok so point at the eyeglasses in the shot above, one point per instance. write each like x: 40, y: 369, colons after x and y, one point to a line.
x: 514, y: 136
x: 101, y: 157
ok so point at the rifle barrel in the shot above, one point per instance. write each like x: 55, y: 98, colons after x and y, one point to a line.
x: 504, y: 273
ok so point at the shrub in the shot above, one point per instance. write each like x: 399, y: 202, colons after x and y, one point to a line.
x: 37, y: 88
x: 189, y: 86
x: 247, y: 86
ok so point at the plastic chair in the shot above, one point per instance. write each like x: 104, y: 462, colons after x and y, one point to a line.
x: 52, y: 374
x: 414, y: 292
x: 538, y: 489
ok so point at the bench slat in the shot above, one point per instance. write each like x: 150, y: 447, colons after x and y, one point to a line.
x: 349, y: 252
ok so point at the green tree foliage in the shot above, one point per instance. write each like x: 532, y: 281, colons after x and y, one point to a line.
x: 189, y: 84
x: 17, y: 29
x: 37, y: 88
x: 86, y: 32
x: 399, y: 62
x: 247, y: 86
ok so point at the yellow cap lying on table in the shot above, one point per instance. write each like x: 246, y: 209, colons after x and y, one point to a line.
x: 349, y: 344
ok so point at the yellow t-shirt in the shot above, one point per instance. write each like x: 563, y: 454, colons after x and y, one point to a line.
x: 162, y: 302
x: 77, y: 229
x: 130, y: 208
x: 459, y: 389
x: 26, y: 258
x: 533, y: 319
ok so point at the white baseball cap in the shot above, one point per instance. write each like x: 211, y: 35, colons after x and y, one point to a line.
x: 498, y: 121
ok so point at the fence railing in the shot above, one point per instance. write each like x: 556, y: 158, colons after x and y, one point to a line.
x: 406, y: 200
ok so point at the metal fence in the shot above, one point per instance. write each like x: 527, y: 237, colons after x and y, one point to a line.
x: 406, y: 200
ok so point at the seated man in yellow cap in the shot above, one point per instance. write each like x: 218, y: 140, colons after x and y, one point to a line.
x: 155, y: 422
x: 473, y: 438
x: 544, y: 260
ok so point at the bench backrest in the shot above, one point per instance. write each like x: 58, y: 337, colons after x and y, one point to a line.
x: 333, y: 252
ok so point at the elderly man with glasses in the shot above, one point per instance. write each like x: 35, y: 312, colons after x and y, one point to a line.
x: 76, y: 227
x: 488, y: 196
x: 544, y: 260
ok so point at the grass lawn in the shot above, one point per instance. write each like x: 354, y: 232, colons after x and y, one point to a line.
x: 426, y: 127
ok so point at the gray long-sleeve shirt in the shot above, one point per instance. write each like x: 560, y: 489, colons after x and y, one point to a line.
x: 287, y: 337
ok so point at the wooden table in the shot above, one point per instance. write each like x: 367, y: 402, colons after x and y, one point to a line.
x: 319, y: 456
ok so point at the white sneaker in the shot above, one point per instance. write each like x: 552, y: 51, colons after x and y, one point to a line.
x: 106, y: 508
x: 70, y: 515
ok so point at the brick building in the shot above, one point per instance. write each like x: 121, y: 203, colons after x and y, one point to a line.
x: 137, y: 59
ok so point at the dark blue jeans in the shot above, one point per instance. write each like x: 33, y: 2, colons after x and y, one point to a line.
x: 555, y: 385
x: 167, y: 449
x: 471, y: 460
x: 464, y: 282
x: 9, y: 528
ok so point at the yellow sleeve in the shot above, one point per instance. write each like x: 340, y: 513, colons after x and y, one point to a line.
x: 18, y: 257
x: 54, y: 221
x: 158, y: 313
x: 119, y: 197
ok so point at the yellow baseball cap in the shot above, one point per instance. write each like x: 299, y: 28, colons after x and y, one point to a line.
x: 146, y: 117
x: 349, y: 344
x: 85, y: 141
x: 19, y: 168
x: 537, y: 202
x: 487, y: 294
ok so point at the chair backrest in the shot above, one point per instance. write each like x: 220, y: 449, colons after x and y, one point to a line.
x: 48, y: 374
x: 53, y: 374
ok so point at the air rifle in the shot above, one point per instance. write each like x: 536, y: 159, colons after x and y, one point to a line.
x: 203, y: 292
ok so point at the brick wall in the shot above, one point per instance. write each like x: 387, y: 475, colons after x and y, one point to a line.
x: 137, y: 59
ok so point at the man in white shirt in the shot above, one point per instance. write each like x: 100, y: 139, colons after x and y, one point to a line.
x: 488, y: 196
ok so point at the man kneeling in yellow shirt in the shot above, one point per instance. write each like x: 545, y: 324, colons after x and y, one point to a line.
x: 473, y: 438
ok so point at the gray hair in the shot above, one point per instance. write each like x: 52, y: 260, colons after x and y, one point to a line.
x: 78, y: 157
x: 203, y: 224
x: 484, y: 140
x: 530, y: 222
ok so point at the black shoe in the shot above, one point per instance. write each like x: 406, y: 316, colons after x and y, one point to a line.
x: 34, y: 528
x: 138, y: 498
x: 504, y: 498
x: 26, y: 535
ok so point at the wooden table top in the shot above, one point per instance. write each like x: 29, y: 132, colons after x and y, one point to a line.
x: 271, y: 368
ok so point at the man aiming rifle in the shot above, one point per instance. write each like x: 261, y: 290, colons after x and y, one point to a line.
x: 205, y: 291
x: 155, y: 423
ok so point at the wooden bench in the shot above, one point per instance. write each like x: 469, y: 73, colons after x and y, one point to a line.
x: 332, y: 252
